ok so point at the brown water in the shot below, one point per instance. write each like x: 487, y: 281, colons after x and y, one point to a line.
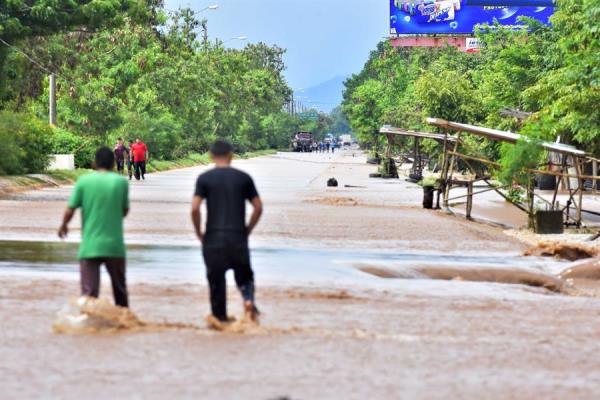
x: 328, y: 330
x: 565, y: 251
x: 451, y: 340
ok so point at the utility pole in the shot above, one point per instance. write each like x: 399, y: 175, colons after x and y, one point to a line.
x: 52, y: 100
x: 292, y: 103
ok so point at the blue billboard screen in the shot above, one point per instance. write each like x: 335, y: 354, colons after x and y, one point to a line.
x: 419, y: 17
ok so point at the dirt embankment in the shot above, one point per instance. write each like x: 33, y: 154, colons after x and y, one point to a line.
x: 19, y: 184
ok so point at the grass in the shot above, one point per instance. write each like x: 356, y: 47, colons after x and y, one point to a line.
x: 190, y: 161
x: 63, y: 175
x: 194, y: 159
x: 254, y: 154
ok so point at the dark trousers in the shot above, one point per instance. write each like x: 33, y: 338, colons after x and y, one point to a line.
x: 90, y: 278
x: 140, y: 169
x: 120, y: 166
x: 130, y: 168
x: 223, y: 252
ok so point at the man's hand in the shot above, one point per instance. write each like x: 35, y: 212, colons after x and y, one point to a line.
x: 63, y: 231
x: 256, y: 214
x: 197, y: 217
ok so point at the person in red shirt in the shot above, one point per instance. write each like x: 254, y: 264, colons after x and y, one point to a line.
x: 139, y: 152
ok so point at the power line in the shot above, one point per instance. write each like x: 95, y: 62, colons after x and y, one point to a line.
x: 33, y: 60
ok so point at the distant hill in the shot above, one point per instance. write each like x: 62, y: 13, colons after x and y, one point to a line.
x: 324, y: 96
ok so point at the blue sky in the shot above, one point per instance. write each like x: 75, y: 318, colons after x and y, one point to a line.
x: 323, y: 38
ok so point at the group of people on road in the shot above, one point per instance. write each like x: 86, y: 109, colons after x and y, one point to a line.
x: 324, y: 147
x: 103, y: 197
x: 134, y: 155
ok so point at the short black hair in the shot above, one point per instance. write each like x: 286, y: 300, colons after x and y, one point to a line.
x: 221, y: 148
x: 120, y: 138
x: 105, y: 158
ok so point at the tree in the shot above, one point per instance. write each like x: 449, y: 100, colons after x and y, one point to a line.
x: 339, y: 124
x: 26, y: 18
x: 568, y: 95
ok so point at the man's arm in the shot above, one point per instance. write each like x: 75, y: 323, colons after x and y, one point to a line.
x: 125, y: 200
x: 63, y: 231
x: 256, y: 213
x: 197, y: 216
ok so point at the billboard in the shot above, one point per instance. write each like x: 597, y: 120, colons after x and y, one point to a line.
x: 449, y: 17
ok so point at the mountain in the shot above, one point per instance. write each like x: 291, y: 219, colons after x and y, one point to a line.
x: 324, y: 96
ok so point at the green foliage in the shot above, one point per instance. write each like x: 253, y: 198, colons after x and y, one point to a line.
x: 127, y: 71
x: 446, y: 94
x: 23, y: 18
x: 568, y: 95
x: 162, y: 133
x: 67, y: 142
x: 517, y: 159
x: 25, y: 144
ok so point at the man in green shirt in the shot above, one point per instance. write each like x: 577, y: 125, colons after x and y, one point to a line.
x: 103, y: 197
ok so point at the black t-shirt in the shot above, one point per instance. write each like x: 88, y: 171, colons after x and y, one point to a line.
x: 226, y: 191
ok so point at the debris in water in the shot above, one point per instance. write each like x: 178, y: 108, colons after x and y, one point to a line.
x: 332, y: 182
x: 90, y: 315
x: 566, y: 251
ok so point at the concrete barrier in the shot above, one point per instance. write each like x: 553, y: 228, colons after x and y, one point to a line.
x: 62, y: 161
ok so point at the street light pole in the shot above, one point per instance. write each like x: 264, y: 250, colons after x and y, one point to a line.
x: 52, y: 113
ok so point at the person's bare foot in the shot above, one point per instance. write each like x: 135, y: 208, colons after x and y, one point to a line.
x: 250, y: 311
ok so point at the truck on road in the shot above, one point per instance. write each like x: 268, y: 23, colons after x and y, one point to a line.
x: 303, y: 142
x: 345, y: 140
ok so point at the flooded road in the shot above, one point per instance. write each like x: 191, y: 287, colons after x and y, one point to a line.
x: 334, y: 325
x: 278, y: 266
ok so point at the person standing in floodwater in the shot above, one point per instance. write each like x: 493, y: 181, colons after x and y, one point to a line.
x: 103, y: 197
x: 225, y: 241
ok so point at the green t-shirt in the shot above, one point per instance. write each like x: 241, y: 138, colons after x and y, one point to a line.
x: 102, y: 197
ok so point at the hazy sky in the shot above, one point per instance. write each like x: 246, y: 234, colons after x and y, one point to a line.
x: 323, y: 38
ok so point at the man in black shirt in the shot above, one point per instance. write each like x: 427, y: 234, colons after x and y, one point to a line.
x: 225, y: 241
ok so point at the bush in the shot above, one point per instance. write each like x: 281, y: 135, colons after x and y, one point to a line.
x: 26, y: 144
x: 67, y: 142
x: 162, y: 134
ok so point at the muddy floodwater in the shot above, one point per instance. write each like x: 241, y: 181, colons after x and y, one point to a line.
x: 363, y: 295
